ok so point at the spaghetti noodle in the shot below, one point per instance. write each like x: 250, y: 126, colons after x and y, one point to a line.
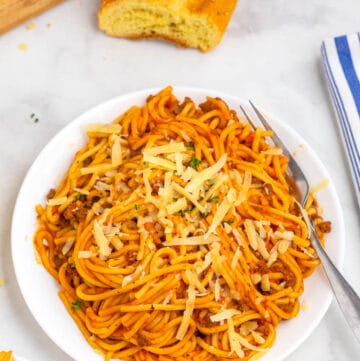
x: 174, y: 235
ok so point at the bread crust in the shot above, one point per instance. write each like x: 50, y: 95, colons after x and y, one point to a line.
x: 217, y: 13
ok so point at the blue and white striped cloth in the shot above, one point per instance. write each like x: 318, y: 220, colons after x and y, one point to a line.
x: 341, y: 61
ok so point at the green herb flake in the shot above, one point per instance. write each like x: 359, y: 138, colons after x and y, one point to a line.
x: 76, y: 305
x: 72, y: 264
x: 229, y: 221
x: 175, y: 199
x: 137, y: 207
x: 214, y: 199
x: 36, y: 120
x: 194, y: 162
x: 32, y: 115
x: 190, y: 145
x: 78, y: 196
x: 204, y: 214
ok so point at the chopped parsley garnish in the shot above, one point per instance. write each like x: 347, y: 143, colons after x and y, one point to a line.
x: 76, y: 305
x: 175, y: 199
x: 214, y: 199
x: 194, y: 162
x: 204, y: 214
x: 182, y: 213
x: 72, y: 264
x: 78, y: 196
x: 229, y: 221
x: 137, y: 207
x: 190, y: 145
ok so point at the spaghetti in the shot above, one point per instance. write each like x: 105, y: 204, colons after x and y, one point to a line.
x: 174, y: 235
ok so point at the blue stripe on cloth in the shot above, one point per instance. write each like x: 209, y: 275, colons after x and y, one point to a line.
x: 347, y: 65
x: 343, y: 119
x: 350, y: 141
x: 342, y: 109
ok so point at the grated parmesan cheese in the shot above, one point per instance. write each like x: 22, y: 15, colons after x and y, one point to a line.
x: 189, y: 309
x: 67, y: 245
x: 179, y: 163
x: 248, y: 327
x: 190, y: 197
x: 101, y: 241
x: 238, y: 237
x: 224, y: 315
x: 219, y: 216
x: 251, y: 234
x: 116, y: 155
x: 148, y: 189
x: 57, y: 201
x: 217, y: 288
x: 86, y: 254
x: 255, y: 278
x: 265, y: 283
x: 188, y: 174
x: 191, y: 241
x: 159, y: 162
x: 164, y: 149
x: 206, y: 174
x: 236, y: 257
x: 177, y: 206
x: 235, y: 345
x: 283, y: 246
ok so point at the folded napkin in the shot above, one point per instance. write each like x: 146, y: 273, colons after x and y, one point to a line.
x: 341, y: 61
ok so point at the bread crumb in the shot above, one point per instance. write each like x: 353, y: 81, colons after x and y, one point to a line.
x: 23, y: 47
x: 30, y: 26
x: 305, y: 305
x: 1, y: 282
x: 48, y: 25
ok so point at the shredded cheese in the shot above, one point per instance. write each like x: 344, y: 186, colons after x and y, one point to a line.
x: 189, y: 308
x: 224, y: 315
x: 164, y: 149
x: 116, y: 155
x: 219, y: 216
x: 236, y: 257
x: 191, y: 241
x: 159, y: 162
x: 205, y: 174
x: 101, y: 241
x: 86, y: 254
x: 179, y: 163
x: 251, y: 234
x: 177, y: 206
x: 148, y: 189
x: 235, y: 345
x: 57, y: 201
x: 101, y: 168
x: 67, y: 245
x: 238, y: 237
x: 190, y: 197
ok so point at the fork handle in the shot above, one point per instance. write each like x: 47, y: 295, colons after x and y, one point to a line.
x: 346, y: 297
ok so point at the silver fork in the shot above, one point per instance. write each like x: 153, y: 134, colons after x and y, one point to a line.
x: 347, y: 298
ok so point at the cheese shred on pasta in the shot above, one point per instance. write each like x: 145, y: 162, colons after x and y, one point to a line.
x: 174, y: 235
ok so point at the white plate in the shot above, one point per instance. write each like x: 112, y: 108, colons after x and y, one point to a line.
x: 40, y: 290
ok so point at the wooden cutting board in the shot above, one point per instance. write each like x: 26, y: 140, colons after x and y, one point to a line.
x: 14, y: 12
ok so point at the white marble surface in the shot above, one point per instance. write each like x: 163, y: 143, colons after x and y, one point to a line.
x: 269, y: 53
